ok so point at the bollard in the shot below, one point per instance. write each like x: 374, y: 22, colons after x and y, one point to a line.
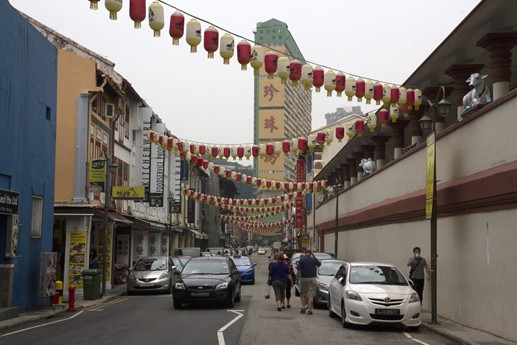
x: 71, y: 298
x: 58, y: 296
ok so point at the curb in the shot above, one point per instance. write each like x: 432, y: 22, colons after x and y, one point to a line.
x: 448, y: 334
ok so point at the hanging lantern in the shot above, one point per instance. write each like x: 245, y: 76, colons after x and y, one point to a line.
x: 222, y: 171
x: 311, y: 142
x: 270, y: 149
x: 239, y: 177
x: 383, y: 117
x: 402, y: 96
x: 205, y: 164
x: 368, y: 92
x: 278, y: 185
x: 228, y: 173
x: 211, y: 166
x: 94, y: 5
x: 137, y: 11
x: 249, y: 179
x: 271, y: 63
x: 360, y: 89
x: 227, y: 152
x: 359, y: 127
x: 340, y: 133
x: 176, y: 27
x: 286, y: 147
x: 113, y: 6
x: 214, y: 151
x: 233, y: 151
x: 227, y: 48
x: 193, y: 36
x: 255, y: 151
x: 175, y: 145
x: 318, y: 78
x: 418, y: 99
x: 258, y: 182
x: 193, y: 159
x: 156, y: 18
x: 372, y: 122
x: 240, y: 152
x: 350, y: 88
x: 329, y: 81
x: 202, y: 149
x: 329, y: 136
x: 262, y: 151
x: 377, y: 93
x: 278, y: 148
x: 200, y: 162
x: 244, y: 54
x: 294, y: 145
x: 247, y: 151
x: 410, y: 99
x: 257, y: 59
x: 170, y: 142
x: 302, y: 144
x: 283, y: 68
x: 394, y: 94
x: 386, y: 94
x: 307, y: 77
x: 394, y: 112
x: 405, y: 110
x: 340, y: 83
x: 295, y: 71
x: 320, y: 138
x: 350, y: 131
x: 211, y: 41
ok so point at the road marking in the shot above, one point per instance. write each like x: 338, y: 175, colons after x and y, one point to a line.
x: 99, y: 307
x: 38, y: 326
x: 220, y: 335
x: 409, y: 336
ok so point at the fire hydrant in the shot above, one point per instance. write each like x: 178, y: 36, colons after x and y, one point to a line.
x: 58, y: 296
x: 71, y: 298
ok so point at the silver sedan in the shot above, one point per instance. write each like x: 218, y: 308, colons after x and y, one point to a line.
x: 151, y: 274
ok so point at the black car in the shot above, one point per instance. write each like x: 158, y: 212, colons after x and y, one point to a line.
x: 213, y: 279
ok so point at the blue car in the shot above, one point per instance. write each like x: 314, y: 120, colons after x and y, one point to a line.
x: 246, y: 268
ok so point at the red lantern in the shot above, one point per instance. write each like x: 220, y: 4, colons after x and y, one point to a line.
x: 384, y: 116
x: 176, y: 27
x: 359, y: 127
x: 286, y: 186
x: 340, y: 83
x: 227, y: 152
x: 360, y: 89
x: 214, y: 151
x: 202, y: 149
x: 192, y: 148
x: 320, y: 138
x: 205, y: 164
x: 271, y: 63
x: 377, y: 93
x: 268, y: 184
x: 217, y: 169
x: 193, y: 160
x: 244, y: 54
x: 286, y: 146
x: 180, y: 146
x: 200, y: 162
x: 302, y: 144
x: 270, y: 149
x: 410, y: 98
x: 228, y: 173
x: 394, y: 94
x: 240, y: 152
x: 340, y: 133
x: 211, y: 41
x: 278, y: 185
x: 295, y: 71
x: 137, y: 12
x: 318, y: 75
x: 255, y: 151
x: 238, y: 176
x: 249, y: 179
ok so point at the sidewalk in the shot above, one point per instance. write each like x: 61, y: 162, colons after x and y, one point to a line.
x: 446, y: 328
x: 50, y: 311
x: 462, y: 334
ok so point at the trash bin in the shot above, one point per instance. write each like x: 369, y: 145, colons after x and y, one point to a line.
x: 91, y: 284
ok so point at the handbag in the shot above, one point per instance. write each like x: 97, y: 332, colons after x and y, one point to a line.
x: 269, y: 282
x: 267, y: 289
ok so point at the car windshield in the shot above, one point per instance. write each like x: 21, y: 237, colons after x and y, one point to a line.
x: 323, y: 256
x: 329, y: 268
x: 151, y: 264
x: 242, y: 261
x: 206, y: 267
x: 373, y: 274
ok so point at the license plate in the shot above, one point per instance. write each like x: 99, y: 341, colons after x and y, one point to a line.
x: 145, y: 284
x: 387, y: 311
x: 199, y: 294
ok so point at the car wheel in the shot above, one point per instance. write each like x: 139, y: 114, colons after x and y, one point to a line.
x: 343, y: 316
x: 230, y: 301
x: 130, y: 293
x: 414, y: 328
x: 331, y: 313
x: 177, y: 304
x: 238, y: 297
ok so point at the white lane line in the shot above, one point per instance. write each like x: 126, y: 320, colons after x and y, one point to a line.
x: 411, y: 337
x: 45, y: 324
x: 220, y: 335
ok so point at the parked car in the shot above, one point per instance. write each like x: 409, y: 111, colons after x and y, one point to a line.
x: 295, y: 258
x: 261, y: 251
x: 213, y: 279
x: 363, y: 293
x: 188, y: 251
x: 246, y: 267
x: 180, y: 261
x: 151, y: 274
x: 325, y: 273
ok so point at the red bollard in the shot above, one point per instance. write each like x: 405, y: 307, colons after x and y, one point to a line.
x: 71, y: 298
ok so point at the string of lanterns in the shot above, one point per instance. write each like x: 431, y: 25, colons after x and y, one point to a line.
x: 274, y: 62
x: 274, y: 211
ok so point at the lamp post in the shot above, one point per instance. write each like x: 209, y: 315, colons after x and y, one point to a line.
x: 111, y: 168
x: 337, y: 189
x: 169, y: 205
x: 443, y: 108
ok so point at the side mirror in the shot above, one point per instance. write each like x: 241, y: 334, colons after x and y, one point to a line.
x: 254, y: 264
x: 178, y: 273
x: 342, y: 281
x: 173, y: 268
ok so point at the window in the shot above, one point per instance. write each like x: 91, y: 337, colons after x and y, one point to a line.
x: 37, y: 215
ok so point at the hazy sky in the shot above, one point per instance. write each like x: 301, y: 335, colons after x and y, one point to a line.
x: 203, y: 100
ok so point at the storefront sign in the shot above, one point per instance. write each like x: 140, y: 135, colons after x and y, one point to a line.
x: 9, y: 201
x: 76, y: 257
x: 128, y: 193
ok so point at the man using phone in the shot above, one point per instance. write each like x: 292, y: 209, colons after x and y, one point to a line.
x: 416, y: 274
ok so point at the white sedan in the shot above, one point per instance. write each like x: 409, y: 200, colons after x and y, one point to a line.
x: 362, y: 293
x: 261, y: 251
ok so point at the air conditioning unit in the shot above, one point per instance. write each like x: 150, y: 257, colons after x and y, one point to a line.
x: 109, y: 110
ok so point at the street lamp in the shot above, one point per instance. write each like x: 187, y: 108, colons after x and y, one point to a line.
x: 443, y: 107
x: 337, y: 188
x: 111, y: 168
x: 169, y: 204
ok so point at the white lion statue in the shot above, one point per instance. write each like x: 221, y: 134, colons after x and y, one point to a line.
x: 480, y: 94
x: 368, y: 165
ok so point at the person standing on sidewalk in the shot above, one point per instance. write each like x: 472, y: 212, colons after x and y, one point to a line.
x: 279, y: 272
x: 416, y: 274
x: 306, y: 274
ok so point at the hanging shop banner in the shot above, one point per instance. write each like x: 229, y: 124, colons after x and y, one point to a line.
x: 176, y: 170
x: 299, y: 204
x: 9, y: 201
x: 145, y: 168
x: 157, y: 173
x: 76, y: 257
x: 128, y: 193
x: 429, y: 181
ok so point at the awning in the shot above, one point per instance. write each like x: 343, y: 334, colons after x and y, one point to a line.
x: 147, y: 225
x: 114, y: 216
x: 199, y: 234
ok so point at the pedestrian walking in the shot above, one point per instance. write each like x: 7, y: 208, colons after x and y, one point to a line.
x: 290, y: 282
x: 418, y: 264
x: 306, y: 271
x: 279, y: 272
